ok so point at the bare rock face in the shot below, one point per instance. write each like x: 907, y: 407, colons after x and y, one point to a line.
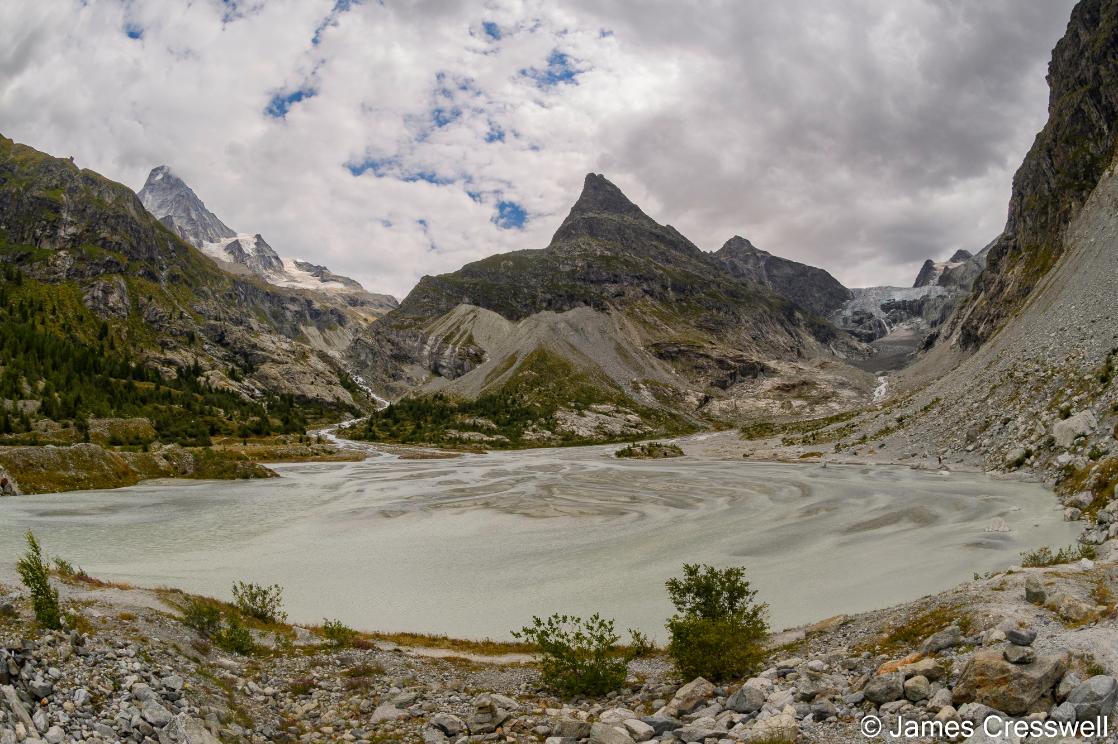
x: 108, y: 298
x: 1011, y: 688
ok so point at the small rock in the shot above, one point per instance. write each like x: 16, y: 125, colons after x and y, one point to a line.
x: 1021, y: 636
x: 949, y: 637
x: 1019, y: 654
x: 1034, y: 591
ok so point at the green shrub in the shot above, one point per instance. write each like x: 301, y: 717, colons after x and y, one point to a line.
x: 35, y: 575
x: 577, y: 657
x: 719, y: 630
x: 338, y: 633
x: 1044, y: 556
x: 235, y: 637
x: 202, y: 617
x: 265, y: 603
x: 640, y: 646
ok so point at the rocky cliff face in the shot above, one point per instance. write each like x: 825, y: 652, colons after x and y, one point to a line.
x: 616, y: 293
x: 809, y: 287
x: 1061, y: 169
x: 90, y: 237
x: 1038, y: 391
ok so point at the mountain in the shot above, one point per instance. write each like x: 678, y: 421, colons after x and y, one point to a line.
x: 176, y: 205
x: 933, y: 272
x: 809, y: 287
x: 643, y: 316
x: 1023, y: 372
x: 180, y: 209
x: 1062, y: 168
x: 108, y: 312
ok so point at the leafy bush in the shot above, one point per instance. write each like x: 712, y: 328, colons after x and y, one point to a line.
x: 577, y: 657
x: 719, y: 629
x: 1044, y: 556
x: 265, y: 603
x: 35, y: 575
x: 234, y: 637
x: 338, y: 633
x: 201, y: 616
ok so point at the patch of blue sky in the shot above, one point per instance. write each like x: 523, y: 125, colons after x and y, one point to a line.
x: 281, y: 103
x: 560, y: 70
x: 492, y: 30
x: 510, y: 215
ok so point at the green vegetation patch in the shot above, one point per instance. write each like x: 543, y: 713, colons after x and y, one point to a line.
x: 649, y: 451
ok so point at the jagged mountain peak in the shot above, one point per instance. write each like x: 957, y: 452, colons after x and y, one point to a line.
x: 176, y: 205
x: 960, y: 255
x: 738, y: 244
x: 599, y: 195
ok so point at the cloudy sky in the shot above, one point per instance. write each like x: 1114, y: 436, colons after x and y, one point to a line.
x: 394, y: 139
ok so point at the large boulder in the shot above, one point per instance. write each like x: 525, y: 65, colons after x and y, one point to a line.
x: 748, y: 699
x: 689, y: 697
x: 885, y: 688
x: 781, y: 727
x: 1013, y: 688
x: 1095, y: 698
x: 603, y: 733
x: 1067, y: 431
x: 186, y: 730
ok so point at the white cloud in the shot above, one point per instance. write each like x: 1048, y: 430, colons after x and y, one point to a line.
x: 862, y: 140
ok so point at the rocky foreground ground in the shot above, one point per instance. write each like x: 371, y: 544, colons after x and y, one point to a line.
x: 1032, y: 644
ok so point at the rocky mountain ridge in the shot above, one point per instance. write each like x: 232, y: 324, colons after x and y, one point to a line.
x: 178, y: 207
x: 809, y: 287
x: 132, y: 282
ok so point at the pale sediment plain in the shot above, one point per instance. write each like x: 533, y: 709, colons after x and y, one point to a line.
x: 475, y: 546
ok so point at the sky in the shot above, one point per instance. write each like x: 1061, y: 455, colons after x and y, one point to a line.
x: 388, y: 140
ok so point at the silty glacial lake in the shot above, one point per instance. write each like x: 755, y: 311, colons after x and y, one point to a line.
x: 475, y: 546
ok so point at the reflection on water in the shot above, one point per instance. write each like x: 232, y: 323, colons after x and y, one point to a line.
x: 477, y: 545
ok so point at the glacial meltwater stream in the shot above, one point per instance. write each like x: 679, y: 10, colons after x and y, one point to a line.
x: 475, y: 546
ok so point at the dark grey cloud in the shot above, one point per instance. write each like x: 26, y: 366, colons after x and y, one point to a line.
x: 864, y: 136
